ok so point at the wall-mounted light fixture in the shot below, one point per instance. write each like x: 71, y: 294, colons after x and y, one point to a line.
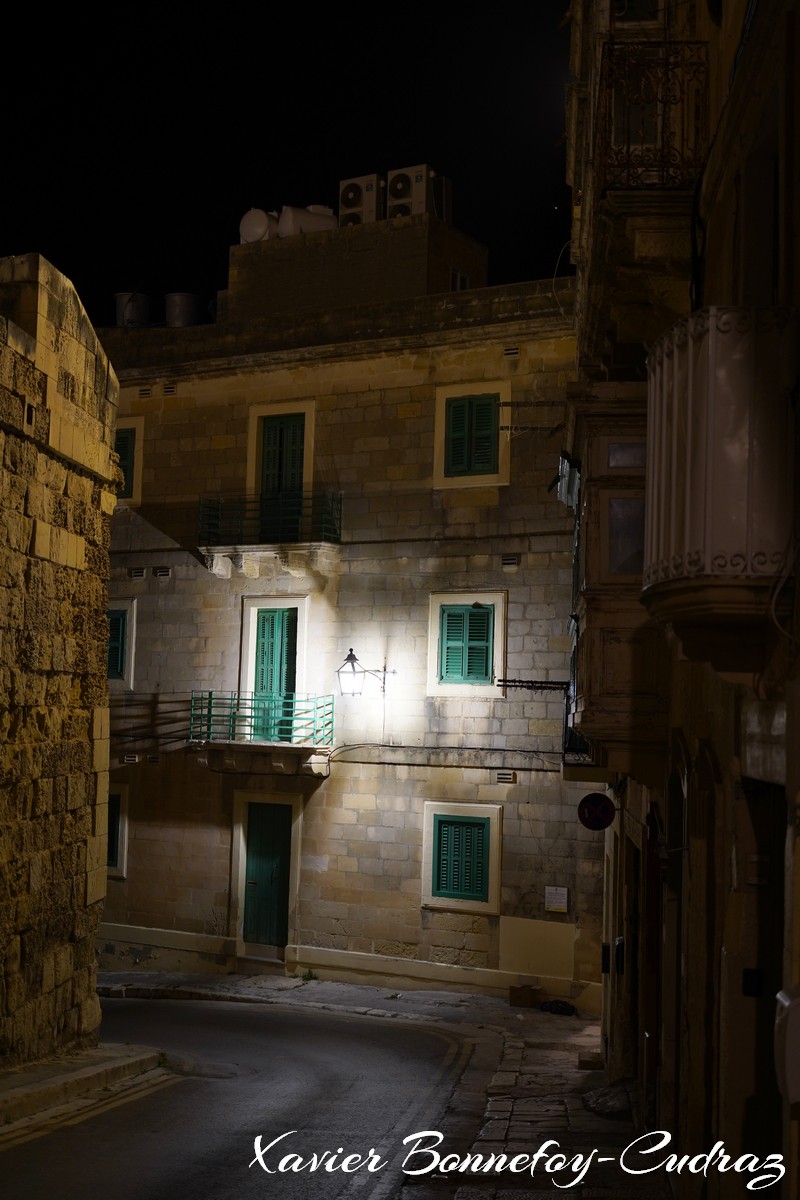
x: 351, y: 676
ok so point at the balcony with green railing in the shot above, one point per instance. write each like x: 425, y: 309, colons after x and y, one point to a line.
x: 276, y: 717
x: 280, y: 518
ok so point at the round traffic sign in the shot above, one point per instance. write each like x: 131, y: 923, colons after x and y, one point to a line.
x: 596, y: 811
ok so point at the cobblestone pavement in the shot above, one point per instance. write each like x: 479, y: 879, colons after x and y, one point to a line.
x: 521, y: 1094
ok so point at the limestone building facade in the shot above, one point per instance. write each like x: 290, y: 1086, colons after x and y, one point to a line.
x: 58, y: 398
x: 680, y: 467
x: 352, y: 460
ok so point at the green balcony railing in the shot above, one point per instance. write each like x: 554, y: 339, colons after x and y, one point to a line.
x: 256, y: 717
x: 294, y: 516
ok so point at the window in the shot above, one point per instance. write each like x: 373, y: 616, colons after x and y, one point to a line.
x: 469, y: 450
x: 461, y: 856
x: 117, y: 855
x: 471, y: 435
x: 280, y: 448
x: 117, y: 639
x: 128, y: 446
x: 273, y: 643
x: 121, y: 624
x: 274, y: 680
x: 466, y: 643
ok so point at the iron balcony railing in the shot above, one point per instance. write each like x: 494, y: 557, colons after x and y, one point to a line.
x: 652, y: 117
x: 310, y: 515
x: 254, y: 717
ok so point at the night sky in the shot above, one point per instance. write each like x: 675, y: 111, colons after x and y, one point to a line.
x: 135, y: 145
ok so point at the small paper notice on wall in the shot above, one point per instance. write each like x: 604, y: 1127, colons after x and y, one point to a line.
x: 556, y: 899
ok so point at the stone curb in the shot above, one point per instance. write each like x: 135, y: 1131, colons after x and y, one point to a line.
x: 62, y: 1080
x: 125, y: 991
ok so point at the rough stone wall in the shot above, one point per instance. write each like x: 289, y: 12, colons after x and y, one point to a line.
x: 57, y: 409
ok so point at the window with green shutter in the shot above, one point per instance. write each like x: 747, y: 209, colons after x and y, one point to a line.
x: 471, y: 435
x: 461, y: 857
x: 466, y: 635
x: 117, y: 638
x: 125, y: 446
x: 275, y: 674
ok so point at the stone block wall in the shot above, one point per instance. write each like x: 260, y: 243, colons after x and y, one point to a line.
x: 58, y: 399
x: 373, y: 412
x: 380, y: 261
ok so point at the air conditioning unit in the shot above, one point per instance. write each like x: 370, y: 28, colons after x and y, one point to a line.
x: 361, y: 200
x: 409, y: 191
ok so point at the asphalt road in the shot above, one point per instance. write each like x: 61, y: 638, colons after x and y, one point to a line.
x: 302, y: 1082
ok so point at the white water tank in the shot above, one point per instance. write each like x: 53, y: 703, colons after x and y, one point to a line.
x: 305, y: 220
x: 257, y: 226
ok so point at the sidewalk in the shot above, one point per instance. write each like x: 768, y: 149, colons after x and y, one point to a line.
x: 522, y: 1088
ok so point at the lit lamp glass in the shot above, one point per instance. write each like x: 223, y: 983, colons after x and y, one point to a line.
x: 351, y: 676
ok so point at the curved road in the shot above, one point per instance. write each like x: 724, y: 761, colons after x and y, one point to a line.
x: 349, y: 1085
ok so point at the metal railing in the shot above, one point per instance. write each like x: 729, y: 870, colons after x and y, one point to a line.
x: 289, y: 517
x: 270, y: 717
x: 652, y: 118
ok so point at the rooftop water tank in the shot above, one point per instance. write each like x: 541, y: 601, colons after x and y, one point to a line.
x: 305, y: 220
x: 257, y: 226
x: 181, y: 308
x: 133, y: 309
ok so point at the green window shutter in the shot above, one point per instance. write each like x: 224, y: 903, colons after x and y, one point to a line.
x: 461, y: 857
x: 117, y: 636
x: 484, y: 435
x: 293, y: 437
x: 125, y: 446
x: 270, y: 455
x: 466, y: 639
x: 276, y: 650
x: 471, y: 435
x: 282, y: 453
x: 113, y: 829
x: 456, y: 460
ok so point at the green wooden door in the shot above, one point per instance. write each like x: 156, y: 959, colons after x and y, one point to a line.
x: 282, y: 477
x: 275, y: 674
x: 266, y: 889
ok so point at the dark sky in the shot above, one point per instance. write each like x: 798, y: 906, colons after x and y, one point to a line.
x: 134, y: 145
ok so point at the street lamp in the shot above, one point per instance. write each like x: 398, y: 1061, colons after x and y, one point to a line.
x: 351, y: 676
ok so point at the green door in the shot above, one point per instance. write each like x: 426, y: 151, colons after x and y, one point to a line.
x: 274, y: 686
x: 282, y: 477
x: 266, y: 888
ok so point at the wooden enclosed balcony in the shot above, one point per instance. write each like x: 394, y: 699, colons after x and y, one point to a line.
x: 721, y: 479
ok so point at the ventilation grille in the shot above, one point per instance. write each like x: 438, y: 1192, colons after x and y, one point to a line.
x: 145, y: 393
x: 130, y: 758
x: 170, y: 389
x: 511, y: 352
x: 509, y: 562
x: 506, y: 777
x: 137, y: 572
x: 162, y: 572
